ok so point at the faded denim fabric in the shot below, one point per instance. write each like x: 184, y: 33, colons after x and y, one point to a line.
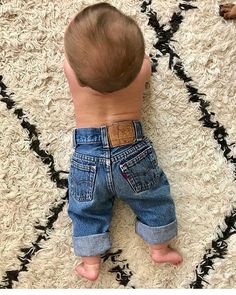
x: 99, y: 173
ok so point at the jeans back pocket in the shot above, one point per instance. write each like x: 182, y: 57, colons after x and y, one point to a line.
x: 82, y: 180
x: 142, y: 171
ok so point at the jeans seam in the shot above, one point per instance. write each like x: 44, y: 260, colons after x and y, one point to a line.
x: 129, y: 152
x: 89, y: 158
x: 110, y: 182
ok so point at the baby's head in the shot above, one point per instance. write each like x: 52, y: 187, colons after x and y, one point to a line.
x: 104, y: 47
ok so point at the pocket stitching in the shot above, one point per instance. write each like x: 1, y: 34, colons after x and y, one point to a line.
x: 91, y: 180
x: 128, y: 174
x: 84, y: 167
x: 130, y: 180
x: 137, y: 158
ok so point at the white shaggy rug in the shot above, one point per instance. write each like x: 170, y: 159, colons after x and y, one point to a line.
x: 189, y: 112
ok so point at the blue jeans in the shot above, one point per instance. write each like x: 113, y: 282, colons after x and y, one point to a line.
x: 99, y: 172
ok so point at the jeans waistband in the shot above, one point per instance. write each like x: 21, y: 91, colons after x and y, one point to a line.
x: 100, y: 135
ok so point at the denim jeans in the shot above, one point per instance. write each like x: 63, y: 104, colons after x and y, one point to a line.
x: 99, y: 172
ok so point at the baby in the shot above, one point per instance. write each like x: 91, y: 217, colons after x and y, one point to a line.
x: 228, y: 11
x: 106, y: 68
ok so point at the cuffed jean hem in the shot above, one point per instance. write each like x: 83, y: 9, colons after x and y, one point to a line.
x: 92, y: 245
x: 156, y: 235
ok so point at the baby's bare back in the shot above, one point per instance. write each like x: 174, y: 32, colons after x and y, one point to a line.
x: 93, y: 109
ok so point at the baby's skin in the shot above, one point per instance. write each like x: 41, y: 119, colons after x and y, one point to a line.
x: 228, y: 11
x: 160, y: 253
x: 94, y: 109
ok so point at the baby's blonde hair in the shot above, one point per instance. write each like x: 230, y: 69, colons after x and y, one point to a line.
x: 104, y: 47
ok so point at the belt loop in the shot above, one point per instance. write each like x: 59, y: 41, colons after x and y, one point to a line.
x: 74, y: 138
x: 104, y: 136
x: 138, y: 130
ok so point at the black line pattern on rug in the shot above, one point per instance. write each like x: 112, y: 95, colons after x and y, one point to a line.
x: 29, y: 252
x: 219, y: 248
x: 174, y: 21
x: 33, y: 135
x: 10, y: 276
x: 122, y: 270
x: 164, y: 35
x: 219, y: 245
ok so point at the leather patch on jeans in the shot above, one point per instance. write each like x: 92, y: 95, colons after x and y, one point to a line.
x: 121, y: 133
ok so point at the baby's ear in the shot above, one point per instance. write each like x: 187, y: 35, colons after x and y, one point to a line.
x: 146, y: 56
x: 147, y: 69
x: 67, y: 68
x: 69, y: 73
x: 74, y: 85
